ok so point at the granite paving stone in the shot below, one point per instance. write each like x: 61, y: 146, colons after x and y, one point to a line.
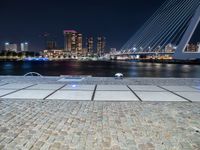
x: 71, y: 95
x: 105, y: 81
x: 193, y: 96
x: 79, y: 87
x: 181, y: 89
x: 112, y: 88
x: 62, y: 124
x: 115, y: 96
x: 4, y: 92
x: 99, y: 125
x: 15, y: 86
x: 2, y: 83
x: 45, y: 87
x: 150, y: 88
x: 196, y: 87
x: 29, y: 94
x: 159, y: 96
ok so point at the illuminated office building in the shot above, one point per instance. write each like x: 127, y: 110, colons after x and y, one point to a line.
x: 191, y: 48
x: 70, y: 42
x: 73, y: 44
x: 90, y: 45
x: 11, y: 47
x: 101, y: 43
x: 79, y: 45
x: 24, y: 47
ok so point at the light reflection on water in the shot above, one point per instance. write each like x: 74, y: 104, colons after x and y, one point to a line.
x: 100, y: 68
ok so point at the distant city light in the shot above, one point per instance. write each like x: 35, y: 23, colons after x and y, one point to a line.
x: 137, y: 56
x: 6, y: 43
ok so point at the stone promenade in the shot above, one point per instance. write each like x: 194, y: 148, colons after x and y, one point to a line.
x: 58, y: 124
x: 129, y: 114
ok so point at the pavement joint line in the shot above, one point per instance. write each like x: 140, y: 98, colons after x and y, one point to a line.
x: 17, y: 90
x: 147, y: 91
x: 135, y: 94
x: 116, y: 101
x: 74, y: 90
x: 114, y: 90
x: 54, y: 91
x: 93, y: 94
x: 174, y: 93
x: 4, y: 84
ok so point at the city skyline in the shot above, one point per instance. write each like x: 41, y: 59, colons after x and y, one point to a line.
x: 117, y: 21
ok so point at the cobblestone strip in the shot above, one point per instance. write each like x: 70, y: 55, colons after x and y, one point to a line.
x: 60, y: 124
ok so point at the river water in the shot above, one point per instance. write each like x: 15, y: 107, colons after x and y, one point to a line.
x: 100, y: 68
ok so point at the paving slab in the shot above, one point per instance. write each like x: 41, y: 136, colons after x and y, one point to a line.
x: 115, y: 96
x: 4, y: 92
x: 158, y: 96
x: 193, y: 96
x: 112, y: 88
x: 181, y: 89
x: 29, y: 94
x: 46, y: 87
x: 71, y: 79
x: 1, y: 83
x: 71, y: 95
x: 79, y: 87
x: 196, y: 87
x: 146, y: 88
x: 15, y: 86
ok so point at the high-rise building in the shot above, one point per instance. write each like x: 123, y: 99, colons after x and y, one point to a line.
x: 24, y: 46
x: 79, y: 44
x: 50, y: 45
x: 101, y: 43
x: 90, y: 45
x: 170, y: 48
x: 198, y: 45
x: 70, y: 42
x: 11, y: 47
x: 191, y: 48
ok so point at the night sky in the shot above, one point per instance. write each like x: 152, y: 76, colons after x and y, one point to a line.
x: 28, y: 20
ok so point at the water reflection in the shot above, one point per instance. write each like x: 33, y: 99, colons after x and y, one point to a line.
x: 100, y: 68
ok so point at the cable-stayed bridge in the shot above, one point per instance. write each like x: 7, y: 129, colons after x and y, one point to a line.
x: 173, y: 24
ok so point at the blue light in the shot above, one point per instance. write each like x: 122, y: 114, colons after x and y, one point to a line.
x: 35, y: 59
x: 74, y: 86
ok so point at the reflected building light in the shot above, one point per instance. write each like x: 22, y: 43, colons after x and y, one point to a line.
x: 158, y: 65
x: 169, y: 65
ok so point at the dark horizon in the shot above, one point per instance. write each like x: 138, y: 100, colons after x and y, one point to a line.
x: 116, y: 20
